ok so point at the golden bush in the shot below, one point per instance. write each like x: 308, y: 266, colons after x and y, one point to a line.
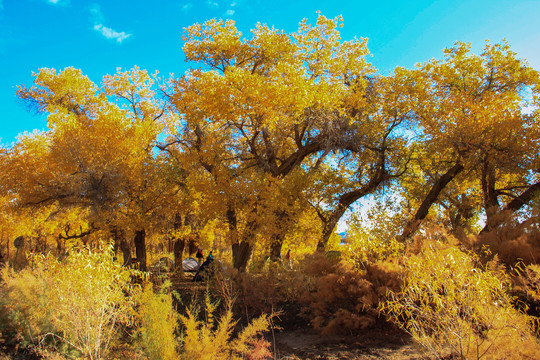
x: 25, y: 307
x: 450, y: 304
x: 342, y: 301
x: 79, y: 300
x: 211, y: 339
x: 158, y: 321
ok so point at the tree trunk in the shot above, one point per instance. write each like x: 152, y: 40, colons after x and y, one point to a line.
x: 117, y: 239
x: 347, y: 199
x: 513, y: 206
x: 192, y: 246
x: 241, y: 249
x: 59, y: 246
x: 140, y: 248
x: 281, y: 226
x: 491, y: 201
x: 126, y: 252
x: 241, y: 252
x: 431, y: 197
x: 328, y: 230
x: 275, y: 248
x: 116, y: 247
x: 329, y: 224
x: 179, y: 245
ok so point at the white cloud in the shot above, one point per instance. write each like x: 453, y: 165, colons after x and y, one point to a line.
x: 187, y: 6
x: 58, y: 2
x: 96, y: 16
x: 229, y: 12
x: 213, y: 4
x: 111, y: 34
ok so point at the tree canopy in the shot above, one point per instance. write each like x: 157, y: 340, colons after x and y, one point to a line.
x: 272, y: 129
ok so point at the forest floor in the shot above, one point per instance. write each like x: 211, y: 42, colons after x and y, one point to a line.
x: 298, y: 341
x: 294, y: 341
x: 373, y: 344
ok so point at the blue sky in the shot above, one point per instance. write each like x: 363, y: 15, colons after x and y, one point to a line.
x: 100, y: 36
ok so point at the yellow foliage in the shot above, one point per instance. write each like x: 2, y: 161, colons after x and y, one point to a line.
x: 25, y: 304
x: 158, y: 322
x: 211, y: 340
x: 83, y: 298
x: 363, y: 249
x: 448, y: 303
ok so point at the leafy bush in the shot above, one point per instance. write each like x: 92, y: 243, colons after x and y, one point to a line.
x: 157, y: 324
x: 344, y: 298
x: 80, y: 300
x: 328, y: 291
x: 364, y: 250
x: 211, y: 340
x: 448, y: 303
x: 26, y: 309
x: 526, y: 288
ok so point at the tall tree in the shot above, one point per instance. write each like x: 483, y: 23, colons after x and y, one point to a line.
x: 97, y: 152
x: 272, y: 100
x: 471, y: 109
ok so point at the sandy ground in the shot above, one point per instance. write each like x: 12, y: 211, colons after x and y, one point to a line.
x: 373, y: 344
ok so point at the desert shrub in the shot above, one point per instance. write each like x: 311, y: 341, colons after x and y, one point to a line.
x: 448, y: 303
x: 25, y: 308
x: 80, y: 300
x: 513, y: 242
x: 209, y: 339
x: 526, y: 289
x: 346, y: 300
x: 328, y: 291
x: 273, y: 288
x: 341, y: 294
x: 364, y: 250
x: 385, y: 276
x: 158, y: 321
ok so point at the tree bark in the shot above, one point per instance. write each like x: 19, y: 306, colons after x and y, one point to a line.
x: 126, y: 252
x: 241, y: 249
x: 330, y: 221
x: 511, y: 207
x: 329, y: 224
x: 179, y: 246
x: 275, y: 248
x: 241, y: 255
x: 140, y: 248
x: 59, y: 245
x: 281, y: 226
x: 431, y: 197
x: 117, y: 236
x: 491, y: 201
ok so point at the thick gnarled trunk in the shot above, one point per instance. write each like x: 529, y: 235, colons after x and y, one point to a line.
x: 517, y: 203
x: 241, y: 249
x: 275, y: 248
x: 140, y: 248
x: 431, y: 197
x: 241, y: 254
x: 329, y: 224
